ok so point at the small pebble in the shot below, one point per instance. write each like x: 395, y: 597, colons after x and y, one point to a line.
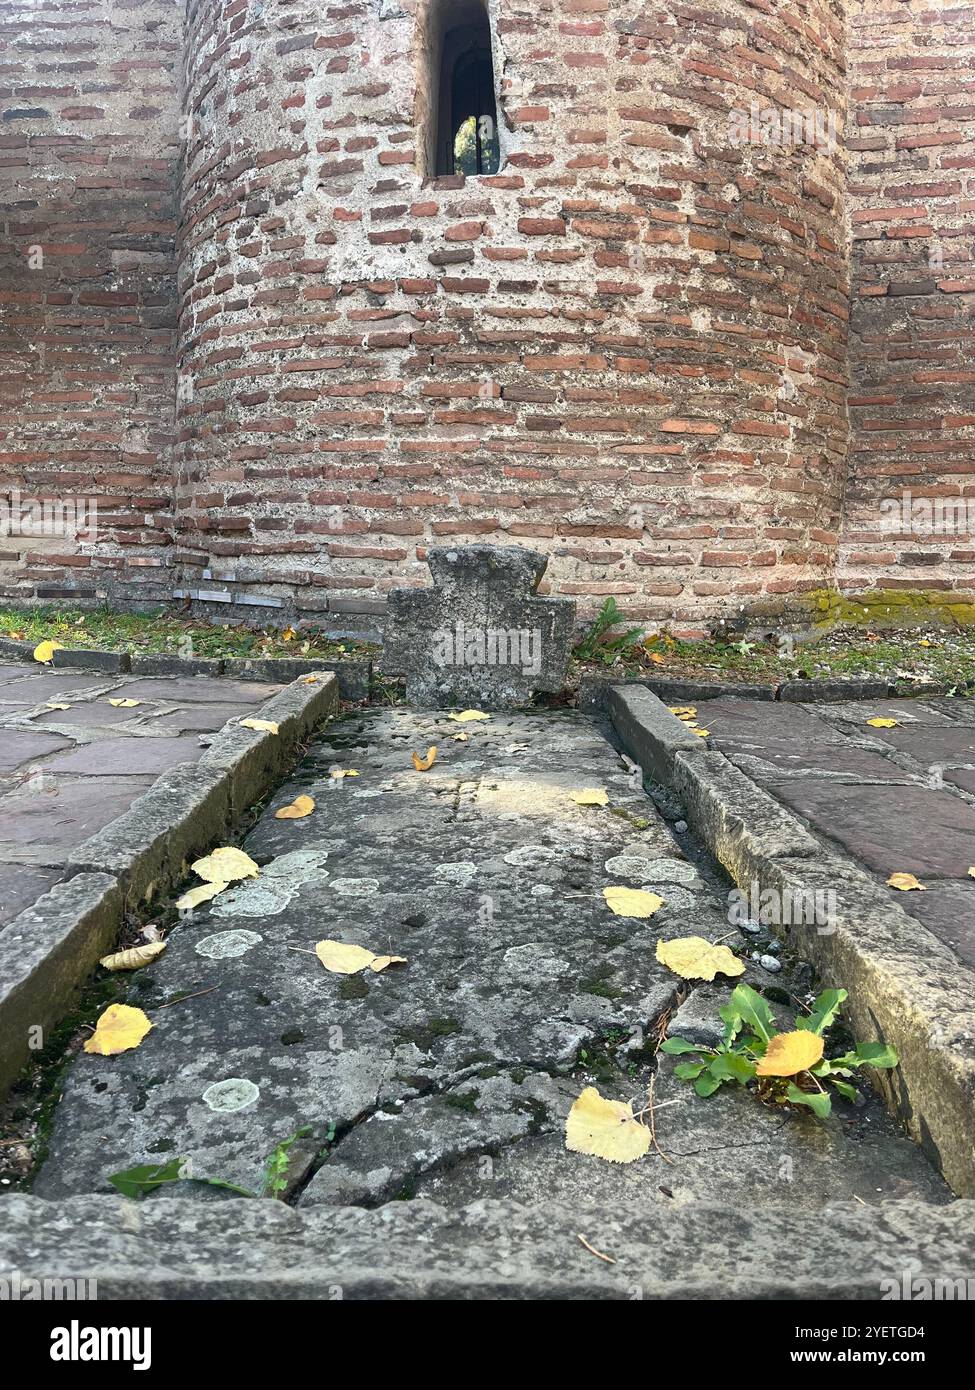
x: 770, y: 964
x: 753, y: 927
x: 680, y: 826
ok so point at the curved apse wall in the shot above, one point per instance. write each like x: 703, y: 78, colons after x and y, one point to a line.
x: 627, y: 348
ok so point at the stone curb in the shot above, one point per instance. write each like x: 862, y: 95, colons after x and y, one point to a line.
x: 594, y: 690
x: 47, y: 951
x: 906, y: 987
x: 354, y: 677
x: 652, y: 735
x: 176, y: 1248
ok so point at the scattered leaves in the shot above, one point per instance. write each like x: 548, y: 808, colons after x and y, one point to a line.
x: 133, y: 958
x: 44, y: 651
x: 424, y: 764
x: 262, y: 726
x: 905, y: 882
x: 787, y: 1054
x: 342, y: 959
x: 301, y: 807
x: 226, y: 866
x: 119, y: 1029
x: 605, y: 1129
x: 590, y: 796
x: 694, y: 958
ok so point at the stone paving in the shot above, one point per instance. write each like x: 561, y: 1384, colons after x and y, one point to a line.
x: 450, y: 1077
x: 898, y: 799
x: 65, y: 773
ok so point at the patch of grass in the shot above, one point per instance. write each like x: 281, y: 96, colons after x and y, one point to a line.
x: 157, y: 631
x: 909, y: 656
x: 466, y: 1101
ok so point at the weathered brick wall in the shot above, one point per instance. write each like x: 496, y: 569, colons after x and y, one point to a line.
x: 88, y: 148
x: 912, y: 207
x: 627, y: 348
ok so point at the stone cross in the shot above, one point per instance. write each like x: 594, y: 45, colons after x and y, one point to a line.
x: 480, y: 636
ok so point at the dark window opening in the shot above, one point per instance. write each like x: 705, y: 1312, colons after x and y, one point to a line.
x: 467, y: 130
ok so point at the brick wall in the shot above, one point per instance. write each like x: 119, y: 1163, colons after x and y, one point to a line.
x: 912, y: 207
x: 628, y: 348
x: 88, y: 150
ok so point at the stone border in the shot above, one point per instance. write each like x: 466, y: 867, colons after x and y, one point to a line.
x: 48, y: 950
x: 354, y: 677
x: 906, y: 986
x: 594, y: 690
x: 177, y: 1248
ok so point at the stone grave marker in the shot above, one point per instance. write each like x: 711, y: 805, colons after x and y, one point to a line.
x: 480, y: 636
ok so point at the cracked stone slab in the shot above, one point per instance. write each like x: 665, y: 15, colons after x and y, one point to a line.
x: 42, y: 823
x: 111, y: 757
x: 20, y: 885
x: 514, y: 958
x: 20, y: 746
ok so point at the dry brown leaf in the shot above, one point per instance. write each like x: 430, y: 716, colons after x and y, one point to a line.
x: 905, y: 882
x: 426, y: 763
x: 301, y: 806
x: 133, y: 958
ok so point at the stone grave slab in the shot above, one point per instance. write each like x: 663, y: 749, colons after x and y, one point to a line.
x: 177, y: 689
x: 947, y: 910
x: 755, y: 722
x: 480, y: 635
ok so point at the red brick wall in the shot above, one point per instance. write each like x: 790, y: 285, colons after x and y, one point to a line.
x: 628, y: 348
x: 88, y: 148
x: 912, y: 207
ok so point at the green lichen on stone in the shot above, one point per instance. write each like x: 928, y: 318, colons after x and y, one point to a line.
x: 892, y: 608
x: 465, y: 1100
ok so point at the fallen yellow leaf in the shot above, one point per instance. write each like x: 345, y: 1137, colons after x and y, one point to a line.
x: 225, y: 866
x: 632, y: 902
x: 301, y: 806
x: 134, y: 957
x: 591, y: 796
x: 342, y: 959
x: 605, y: 1129
x: 905, y: 882
x: 288, y: 635
x: 124, y: 703
x: 461, y: 738
x: 882, y: 723
x: 683, y: 711
x: 467, y: 715
x: 702, y: 733
x: 52, y: 705
x: 381, y: 962
x: 262, y: 726
x: 694, y: 958
x: 657, y: 658
x: 202, y: 893
x: 425, y: 764
x: 119, y: 1029
x: 789, y: 1053
x: 44, y: 651
x: 337, y: 773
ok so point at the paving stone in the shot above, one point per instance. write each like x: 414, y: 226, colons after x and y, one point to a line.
x: 913, y: 711
x: 768, y: 760
x: 753, y: 722
x: 176, y: 689
x: 112, y: 757
x: 92, y: 714
x: 42, y: 823
x: 931, y: 746
x: 893, y: 828
x: 197, y: 717
x: 948, y: 910
x: 960, y: 777
x: 36, y: 689
x: 20, y: 885
x: 20, y: 746
x: 480, y: 635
